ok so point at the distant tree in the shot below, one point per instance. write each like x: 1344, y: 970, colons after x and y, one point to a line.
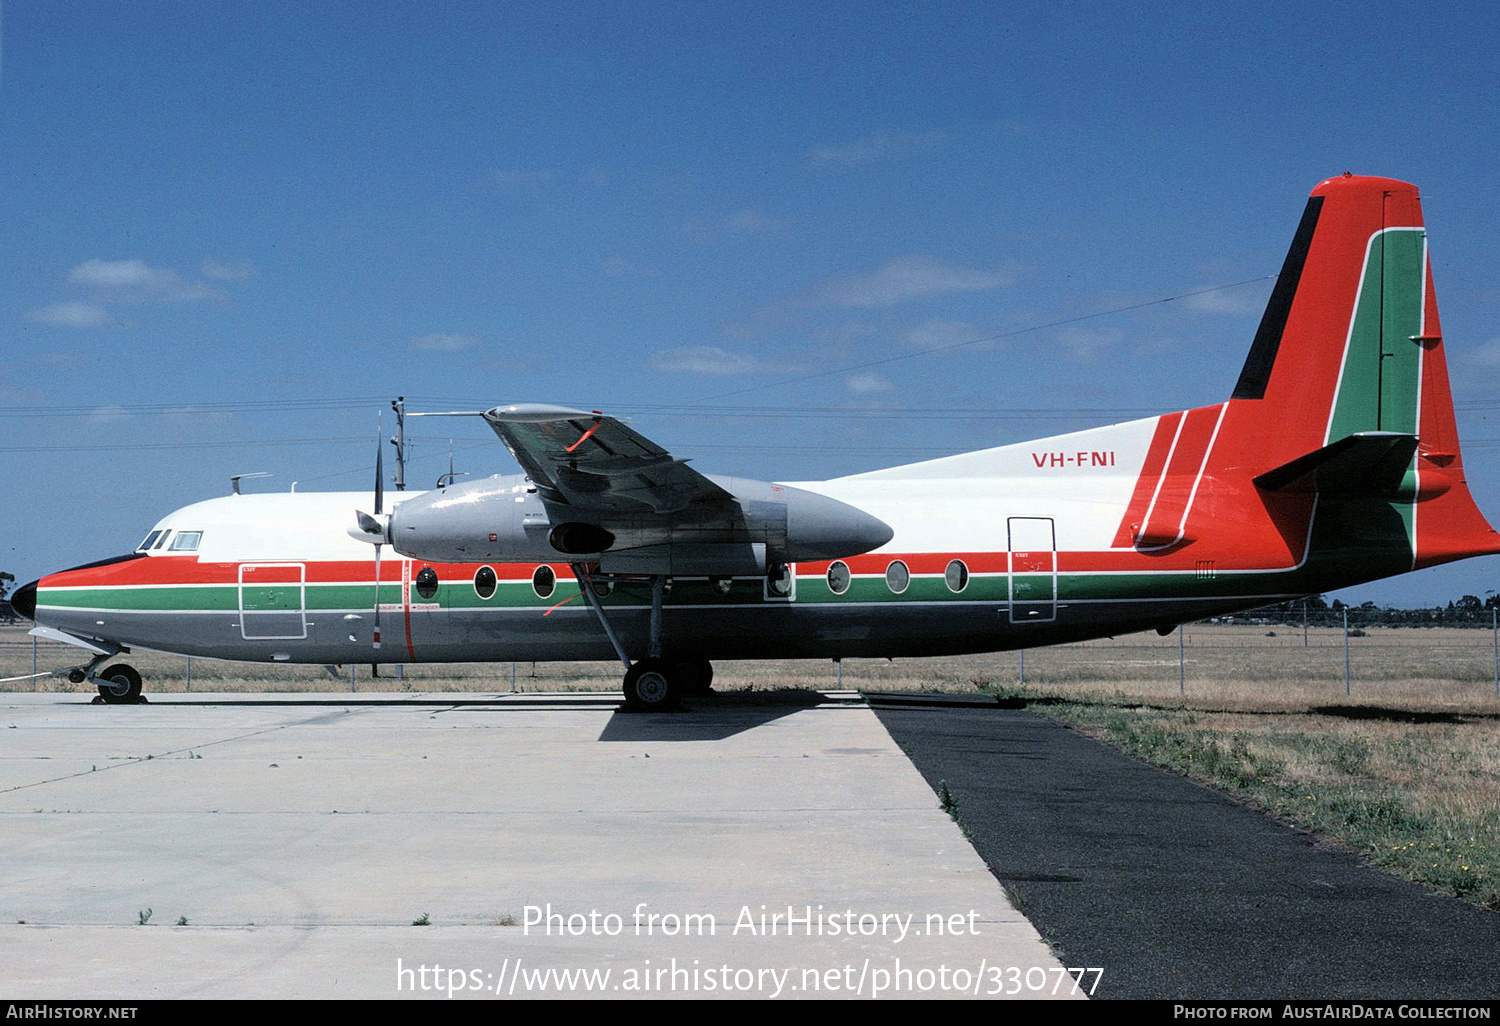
x: 6, y: 580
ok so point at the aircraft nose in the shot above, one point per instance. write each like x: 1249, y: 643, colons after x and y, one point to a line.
x: 24, y: 600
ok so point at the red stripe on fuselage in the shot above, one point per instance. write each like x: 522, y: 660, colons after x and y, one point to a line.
x: 1145, y: 485
x: 168, y: 571
x: 1167, y: 517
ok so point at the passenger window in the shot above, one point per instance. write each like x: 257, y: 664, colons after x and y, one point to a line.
x: 484, y: 582
x: 838, y: 577
x: 427, y: 582
x: 779, y: 581
x: 186, y: 541
x: 897, y: 576
x: 544, y: 581
x: 956, y: 576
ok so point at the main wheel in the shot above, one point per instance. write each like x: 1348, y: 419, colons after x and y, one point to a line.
x: 652, y: 684
x: 119, y: 684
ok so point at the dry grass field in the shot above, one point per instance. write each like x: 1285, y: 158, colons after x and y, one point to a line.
x: 1404, y: 767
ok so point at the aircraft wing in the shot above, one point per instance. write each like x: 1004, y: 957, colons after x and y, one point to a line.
x: 593, y: 462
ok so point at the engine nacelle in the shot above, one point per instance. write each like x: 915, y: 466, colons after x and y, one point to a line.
x: 504, y: 519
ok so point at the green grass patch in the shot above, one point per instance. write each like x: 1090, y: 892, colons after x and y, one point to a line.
x: 1412, y: 800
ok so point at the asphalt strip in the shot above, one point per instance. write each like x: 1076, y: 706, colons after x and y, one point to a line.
x: 1175, y: 890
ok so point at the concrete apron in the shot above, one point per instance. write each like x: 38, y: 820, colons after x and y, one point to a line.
x: 741, y: 849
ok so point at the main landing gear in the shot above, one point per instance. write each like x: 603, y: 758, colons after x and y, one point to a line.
x: 653, y: 683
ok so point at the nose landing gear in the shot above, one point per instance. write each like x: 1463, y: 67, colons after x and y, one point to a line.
x: 119, y: 684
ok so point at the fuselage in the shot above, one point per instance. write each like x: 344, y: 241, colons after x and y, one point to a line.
x: 1084, y: 535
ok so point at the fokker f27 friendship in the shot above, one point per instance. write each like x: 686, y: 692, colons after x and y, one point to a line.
x: 1335, y: 461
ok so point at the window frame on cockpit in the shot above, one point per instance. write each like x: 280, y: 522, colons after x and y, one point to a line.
x: 186, y: 541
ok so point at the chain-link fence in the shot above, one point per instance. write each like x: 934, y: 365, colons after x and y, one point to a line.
x: 1300, y: 655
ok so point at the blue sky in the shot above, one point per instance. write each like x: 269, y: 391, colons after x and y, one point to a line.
x: 232, y: 232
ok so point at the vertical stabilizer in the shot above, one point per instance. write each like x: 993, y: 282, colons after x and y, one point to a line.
x: 1350, y: 348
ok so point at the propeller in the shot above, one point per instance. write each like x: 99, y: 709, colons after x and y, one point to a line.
x: 379, y: 509
x: 374, y: 529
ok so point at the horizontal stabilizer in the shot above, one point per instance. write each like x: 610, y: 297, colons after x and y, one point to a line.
x: 1367, y: 463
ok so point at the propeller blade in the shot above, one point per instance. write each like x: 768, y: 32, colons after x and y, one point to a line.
x: 380, y: 529
x: 376, y: 636
x: 379, y: 478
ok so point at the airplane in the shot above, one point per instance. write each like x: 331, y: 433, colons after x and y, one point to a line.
x: 1335, y: 461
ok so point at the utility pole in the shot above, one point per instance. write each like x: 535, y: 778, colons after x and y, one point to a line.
x: 399, y: 405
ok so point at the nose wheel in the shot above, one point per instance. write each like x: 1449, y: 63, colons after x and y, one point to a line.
x: 119, y: 684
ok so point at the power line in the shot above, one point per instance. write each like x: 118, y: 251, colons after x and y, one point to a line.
x: 987, y: 338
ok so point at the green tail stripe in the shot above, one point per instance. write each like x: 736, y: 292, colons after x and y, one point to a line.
x: 1382, y: 376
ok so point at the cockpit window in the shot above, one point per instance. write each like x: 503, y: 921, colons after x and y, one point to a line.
x: 150, y: 540
x: 186, y: 541
x: 162, y: 540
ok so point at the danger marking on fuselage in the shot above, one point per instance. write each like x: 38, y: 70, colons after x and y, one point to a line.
x: 1093, y: 458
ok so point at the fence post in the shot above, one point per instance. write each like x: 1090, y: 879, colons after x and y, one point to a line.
x: 1346, y: 650
x: 1181, y: 665
x: 33, y: 662
x: 1022, y: 653
x: 1495, y: 641
x: 513, y: 676
x: 351, y: 677
x: 188, y: 684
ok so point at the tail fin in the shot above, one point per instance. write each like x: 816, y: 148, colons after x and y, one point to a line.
x: 1350, y: 347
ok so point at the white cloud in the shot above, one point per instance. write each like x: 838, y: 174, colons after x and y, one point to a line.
x: 1224, y: 302
x: 440, y: 342
x: 134, y: 282
x: 108, y: 414
x: 909, y: 277
x: 880, y: 146
x: 703, y: 360
x: 72, y: 314
x: 1087, y: 343
x: 868, y: 384
x: 744, y: 222
x: 237, y: 270
x: 940, y: 334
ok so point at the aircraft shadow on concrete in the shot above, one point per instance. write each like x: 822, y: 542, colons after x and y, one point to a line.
x: 713, y: 717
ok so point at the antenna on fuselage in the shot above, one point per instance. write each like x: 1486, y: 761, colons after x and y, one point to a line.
x: 235, y: 479
x: 447, y: 479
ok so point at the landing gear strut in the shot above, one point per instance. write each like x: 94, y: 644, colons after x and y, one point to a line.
x: 654, y: 682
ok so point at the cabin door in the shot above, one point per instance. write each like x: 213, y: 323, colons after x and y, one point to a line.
x: 273, y: 601
x: 1033, y: 570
